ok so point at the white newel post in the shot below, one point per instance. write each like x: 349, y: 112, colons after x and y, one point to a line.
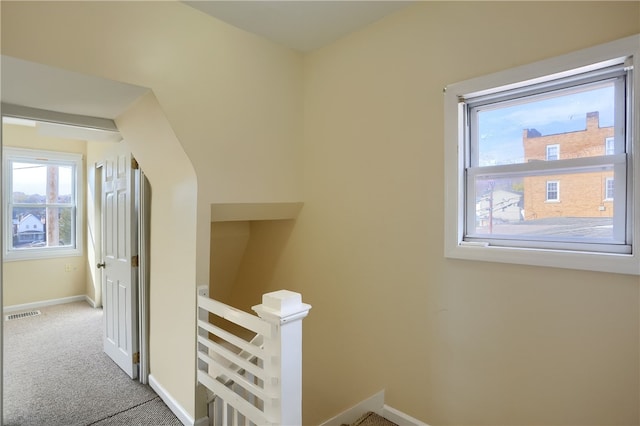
x: 284, y: 310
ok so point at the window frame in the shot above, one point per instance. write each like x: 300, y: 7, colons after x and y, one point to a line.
x: 609, y: 194
x: 609, y: 150
x: 625, y: 51
x: 12, y: 154
x: 557, y: 148
x: 556, y: 190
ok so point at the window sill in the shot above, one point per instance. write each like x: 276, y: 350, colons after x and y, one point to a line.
x: 16, y: 256
x: 600, y: 262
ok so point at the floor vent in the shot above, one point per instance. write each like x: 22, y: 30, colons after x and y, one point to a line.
x: 22, y: 315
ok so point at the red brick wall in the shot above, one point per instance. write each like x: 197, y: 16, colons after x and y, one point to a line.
x: 581, y: 195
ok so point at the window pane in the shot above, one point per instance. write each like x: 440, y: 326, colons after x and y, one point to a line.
x: 555, y: 208
x: 572, y: 122
x: 28, y: 227
x: 41, y: 183
x: 66, y: 226
x: 43, y: 227
x: 553, y: 190
x: 29, y: 183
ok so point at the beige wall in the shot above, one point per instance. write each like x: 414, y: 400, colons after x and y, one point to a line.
x: 452, y: 342
x: 232, y: 98
x: 228, y: 246
x: 456, y: 342
x: 232, y: 103
x: 265, y: 243
x: 149, y: 137
x: 30, y: 281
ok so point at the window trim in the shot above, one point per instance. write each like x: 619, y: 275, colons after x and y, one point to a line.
x: 521, y: 78
x: 12, y: 154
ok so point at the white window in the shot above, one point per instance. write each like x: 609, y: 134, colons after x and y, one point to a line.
x: 608, y: 189
x: 43, y: 199
x: 609, y: 146
x: 553, y: 152
x: 553, y: 190
x: 502, y: 143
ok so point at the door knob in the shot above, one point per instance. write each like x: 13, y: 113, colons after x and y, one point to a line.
x: 101, y: 265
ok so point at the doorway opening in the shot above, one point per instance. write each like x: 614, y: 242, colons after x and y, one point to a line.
x: 57, y: 279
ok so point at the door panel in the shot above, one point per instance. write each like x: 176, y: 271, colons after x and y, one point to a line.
x: 120, y: 278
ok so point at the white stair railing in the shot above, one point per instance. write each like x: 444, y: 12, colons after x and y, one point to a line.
x: 255, y: 381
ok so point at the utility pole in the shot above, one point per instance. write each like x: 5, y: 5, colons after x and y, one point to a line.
x: 492, y: 185
x: 53, y: 228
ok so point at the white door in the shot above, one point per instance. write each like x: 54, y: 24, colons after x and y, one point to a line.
x: 120, y: 297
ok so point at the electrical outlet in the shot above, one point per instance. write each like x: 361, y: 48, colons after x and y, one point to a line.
x: 67, y: 268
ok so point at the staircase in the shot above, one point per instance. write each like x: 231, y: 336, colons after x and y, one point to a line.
x: 256, y: 380
x: 372, y: 419
x: 251, y: 366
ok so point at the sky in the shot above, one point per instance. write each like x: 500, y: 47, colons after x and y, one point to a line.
x: 500, y: 129
x: 32, y: 178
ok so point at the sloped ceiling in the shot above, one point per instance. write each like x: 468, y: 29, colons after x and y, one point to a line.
x: 43, y: 87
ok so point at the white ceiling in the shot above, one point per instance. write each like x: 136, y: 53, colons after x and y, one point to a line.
x: 39, y: 86
x: 300, y: 25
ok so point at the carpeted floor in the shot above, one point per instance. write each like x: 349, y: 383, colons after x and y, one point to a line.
x: 150, y: 413
x: 56, y: 373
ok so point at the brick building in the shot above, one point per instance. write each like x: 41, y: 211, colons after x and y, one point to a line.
x: 569, y: 195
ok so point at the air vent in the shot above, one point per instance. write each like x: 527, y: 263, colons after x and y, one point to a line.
x: 22, y: 315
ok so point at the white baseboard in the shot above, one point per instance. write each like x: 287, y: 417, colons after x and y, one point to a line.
x: 203, y: 421
x: 374, y: 403
x: 399, y: 417
x: 91, y: 302
x: 173, y: 405
x: 43, y: 303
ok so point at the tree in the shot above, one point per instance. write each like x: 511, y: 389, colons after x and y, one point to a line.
x: 65, y: 226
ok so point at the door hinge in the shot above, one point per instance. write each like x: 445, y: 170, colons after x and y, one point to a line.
x: 134, y: 261
x: 134, y: 164
x: 136, y: 358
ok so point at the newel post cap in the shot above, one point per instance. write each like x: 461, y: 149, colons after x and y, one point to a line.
x: 283, y: 306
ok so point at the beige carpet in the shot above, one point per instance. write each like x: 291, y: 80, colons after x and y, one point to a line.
x: 56, y: 373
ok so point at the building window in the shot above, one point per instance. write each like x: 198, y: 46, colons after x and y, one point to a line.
x: 553, y: 152
x: 608, y: 189
x: 609, y: 146
x: 553, y: 190
x: 504, y: 133
x: 42, y: 195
